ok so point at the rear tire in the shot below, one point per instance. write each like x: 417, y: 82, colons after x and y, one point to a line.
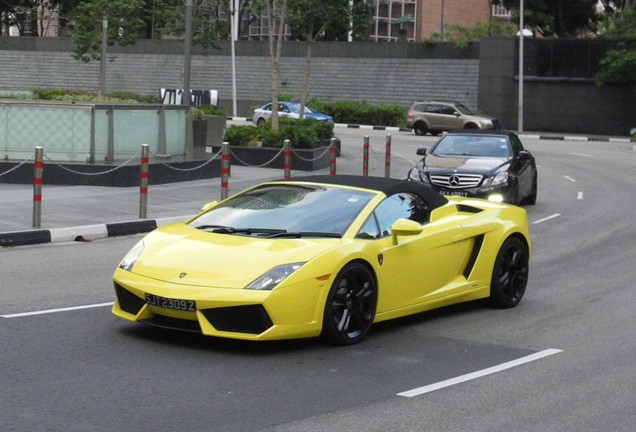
x: 350, y: 307
x: 510, y: 274
x: 420, y: 128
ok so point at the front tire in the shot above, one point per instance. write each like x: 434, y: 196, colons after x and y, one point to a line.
x: 510, y: 274
x: 350, y: 307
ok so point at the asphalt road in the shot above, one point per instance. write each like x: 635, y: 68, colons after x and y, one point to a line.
x: 84, y: 370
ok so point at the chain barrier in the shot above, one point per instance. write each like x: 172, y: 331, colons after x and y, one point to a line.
x: 311, y: 159
x: 256, y: 166
x: 108, y: 171
x: 10, y: 170
x: 193, y: 168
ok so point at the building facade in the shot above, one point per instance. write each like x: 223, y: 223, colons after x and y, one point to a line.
x: 415, y: 20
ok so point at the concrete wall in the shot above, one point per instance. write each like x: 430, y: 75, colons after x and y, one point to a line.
x: 569, y: 105
x: 483, y: 77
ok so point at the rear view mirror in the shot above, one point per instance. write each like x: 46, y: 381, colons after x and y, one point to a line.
x: 421, y: 151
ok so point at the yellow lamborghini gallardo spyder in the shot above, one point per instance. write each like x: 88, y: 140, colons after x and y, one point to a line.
x: 323, y: 256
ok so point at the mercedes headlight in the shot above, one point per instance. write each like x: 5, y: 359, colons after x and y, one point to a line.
x: 501, y: 178
x: 418, y: 174
x: 269, y: 280
x: 131, y: 257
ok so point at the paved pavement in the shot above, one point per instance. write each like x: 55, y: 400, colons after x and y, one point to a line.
x: 70, y: 213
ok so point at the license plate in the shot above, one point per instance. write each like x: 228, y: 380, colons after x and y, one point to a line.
x: 455, y: 193
x: 169, y: 303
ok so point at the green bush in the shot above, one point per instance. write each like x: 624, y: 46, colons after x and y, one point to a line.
x: 200, y: 111
x: 303, y: 134
x: 70, y: 95
x: 247, y: 136
x: 353, y: 112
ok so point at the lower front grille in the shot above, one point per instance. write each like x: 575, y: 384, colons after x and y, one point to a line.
x: 456, y: 181
x: 173, y: 323
x: 252, y: 319
x: 128, y: 302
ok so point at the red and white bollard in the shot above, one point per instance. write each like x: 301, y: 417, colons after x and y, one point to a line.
x: 365, y: 157
x: 387, y: 163
x: 38, y: 171
x: 225, y: 169
x: 334, y: 153
x: 287, y: 159
x: 143, y: 188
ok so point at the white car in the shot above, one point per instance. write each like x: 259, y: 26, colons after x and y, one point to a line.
x: 288, y: 110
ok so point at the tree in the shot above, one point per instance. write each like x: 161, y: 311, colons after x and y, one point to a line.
x: 561, y: 18
x: 124, y: 20
x: 129, y: 20
x: 620, y: 63
x: 28, y: 17
x: 308, y: 20
x: 276, y: 14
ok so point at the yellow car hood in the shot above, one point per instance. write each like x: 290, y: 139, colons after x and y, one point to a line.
x: 183, y: 255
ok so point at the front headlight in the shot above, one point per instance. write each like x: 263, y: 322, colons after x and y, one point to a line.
x: 500, y: 178
x: 131, y: 257
x: 275, y: 276
x: 417, y: 173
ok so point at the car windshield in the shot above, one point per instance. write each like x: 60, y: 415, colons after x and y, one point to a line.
x: 281, y: 209
x: 295, y: 108
x: 473, y: 145
x: 463, y: 109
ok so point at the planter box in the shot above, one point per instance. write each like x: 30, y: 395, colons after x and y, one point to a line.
x: 207, y: 132
x: 301, y: 159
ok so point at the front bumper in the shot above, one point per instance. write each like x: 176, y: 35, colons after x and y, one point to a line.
x: 496, y: 193
x: 287, y: 312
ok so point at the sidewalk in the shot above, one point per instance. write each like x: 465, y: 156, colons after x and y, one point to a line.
x: 70, y: 213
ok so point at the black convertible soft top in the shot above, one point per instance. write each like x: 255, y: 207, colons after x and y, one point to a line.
x: 388, y: 186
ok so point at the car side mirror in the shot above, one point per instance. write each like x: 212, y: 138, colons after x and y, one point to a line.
x: 208, y: 206
x: 405, y: 227
x: 421, y: 151
x: 524, y: 155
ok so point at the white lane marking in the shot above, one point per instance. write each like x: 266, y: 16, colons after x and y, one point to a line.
x: 50, y: 311
x: 579, y: 196
x: 569, y: 178
x: 554, y: 216
x: 479, y: 374
x: 581, y: 154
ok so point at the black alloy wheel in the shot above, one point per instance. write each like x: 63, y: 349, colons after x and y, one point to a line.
x: 350, y: 307
x: 510, y: 274
x: 420, y: 128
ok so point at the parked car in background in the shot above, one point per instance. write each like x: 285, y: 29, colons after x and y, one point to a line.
x: 439, y: 116
x: 486, y: 164
x: 288, y: 110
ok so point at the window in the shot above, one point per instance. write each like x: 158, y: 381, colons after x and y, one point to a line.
x: 401, y: 205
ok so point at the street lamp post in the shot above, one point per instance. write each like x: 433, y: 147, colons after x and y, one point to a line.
x: 520, y: 101
x: 233, y: 37
x: 186, y: 99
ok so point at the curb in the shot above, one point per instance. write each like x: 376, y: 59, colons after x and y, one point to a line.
x: 553, y: 137
x: 83, y: 233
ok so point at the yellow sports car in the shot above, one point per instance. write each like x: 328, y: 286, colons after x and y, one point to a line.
x: 323, y: 255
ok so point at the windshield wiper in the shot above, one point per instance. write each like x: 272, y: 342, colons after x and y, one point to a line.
x: 221, y: 229
x: 299, y: 234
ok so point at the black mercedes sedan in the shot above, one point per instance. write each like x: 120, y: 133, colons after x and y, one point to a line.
x: 488, y: 164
